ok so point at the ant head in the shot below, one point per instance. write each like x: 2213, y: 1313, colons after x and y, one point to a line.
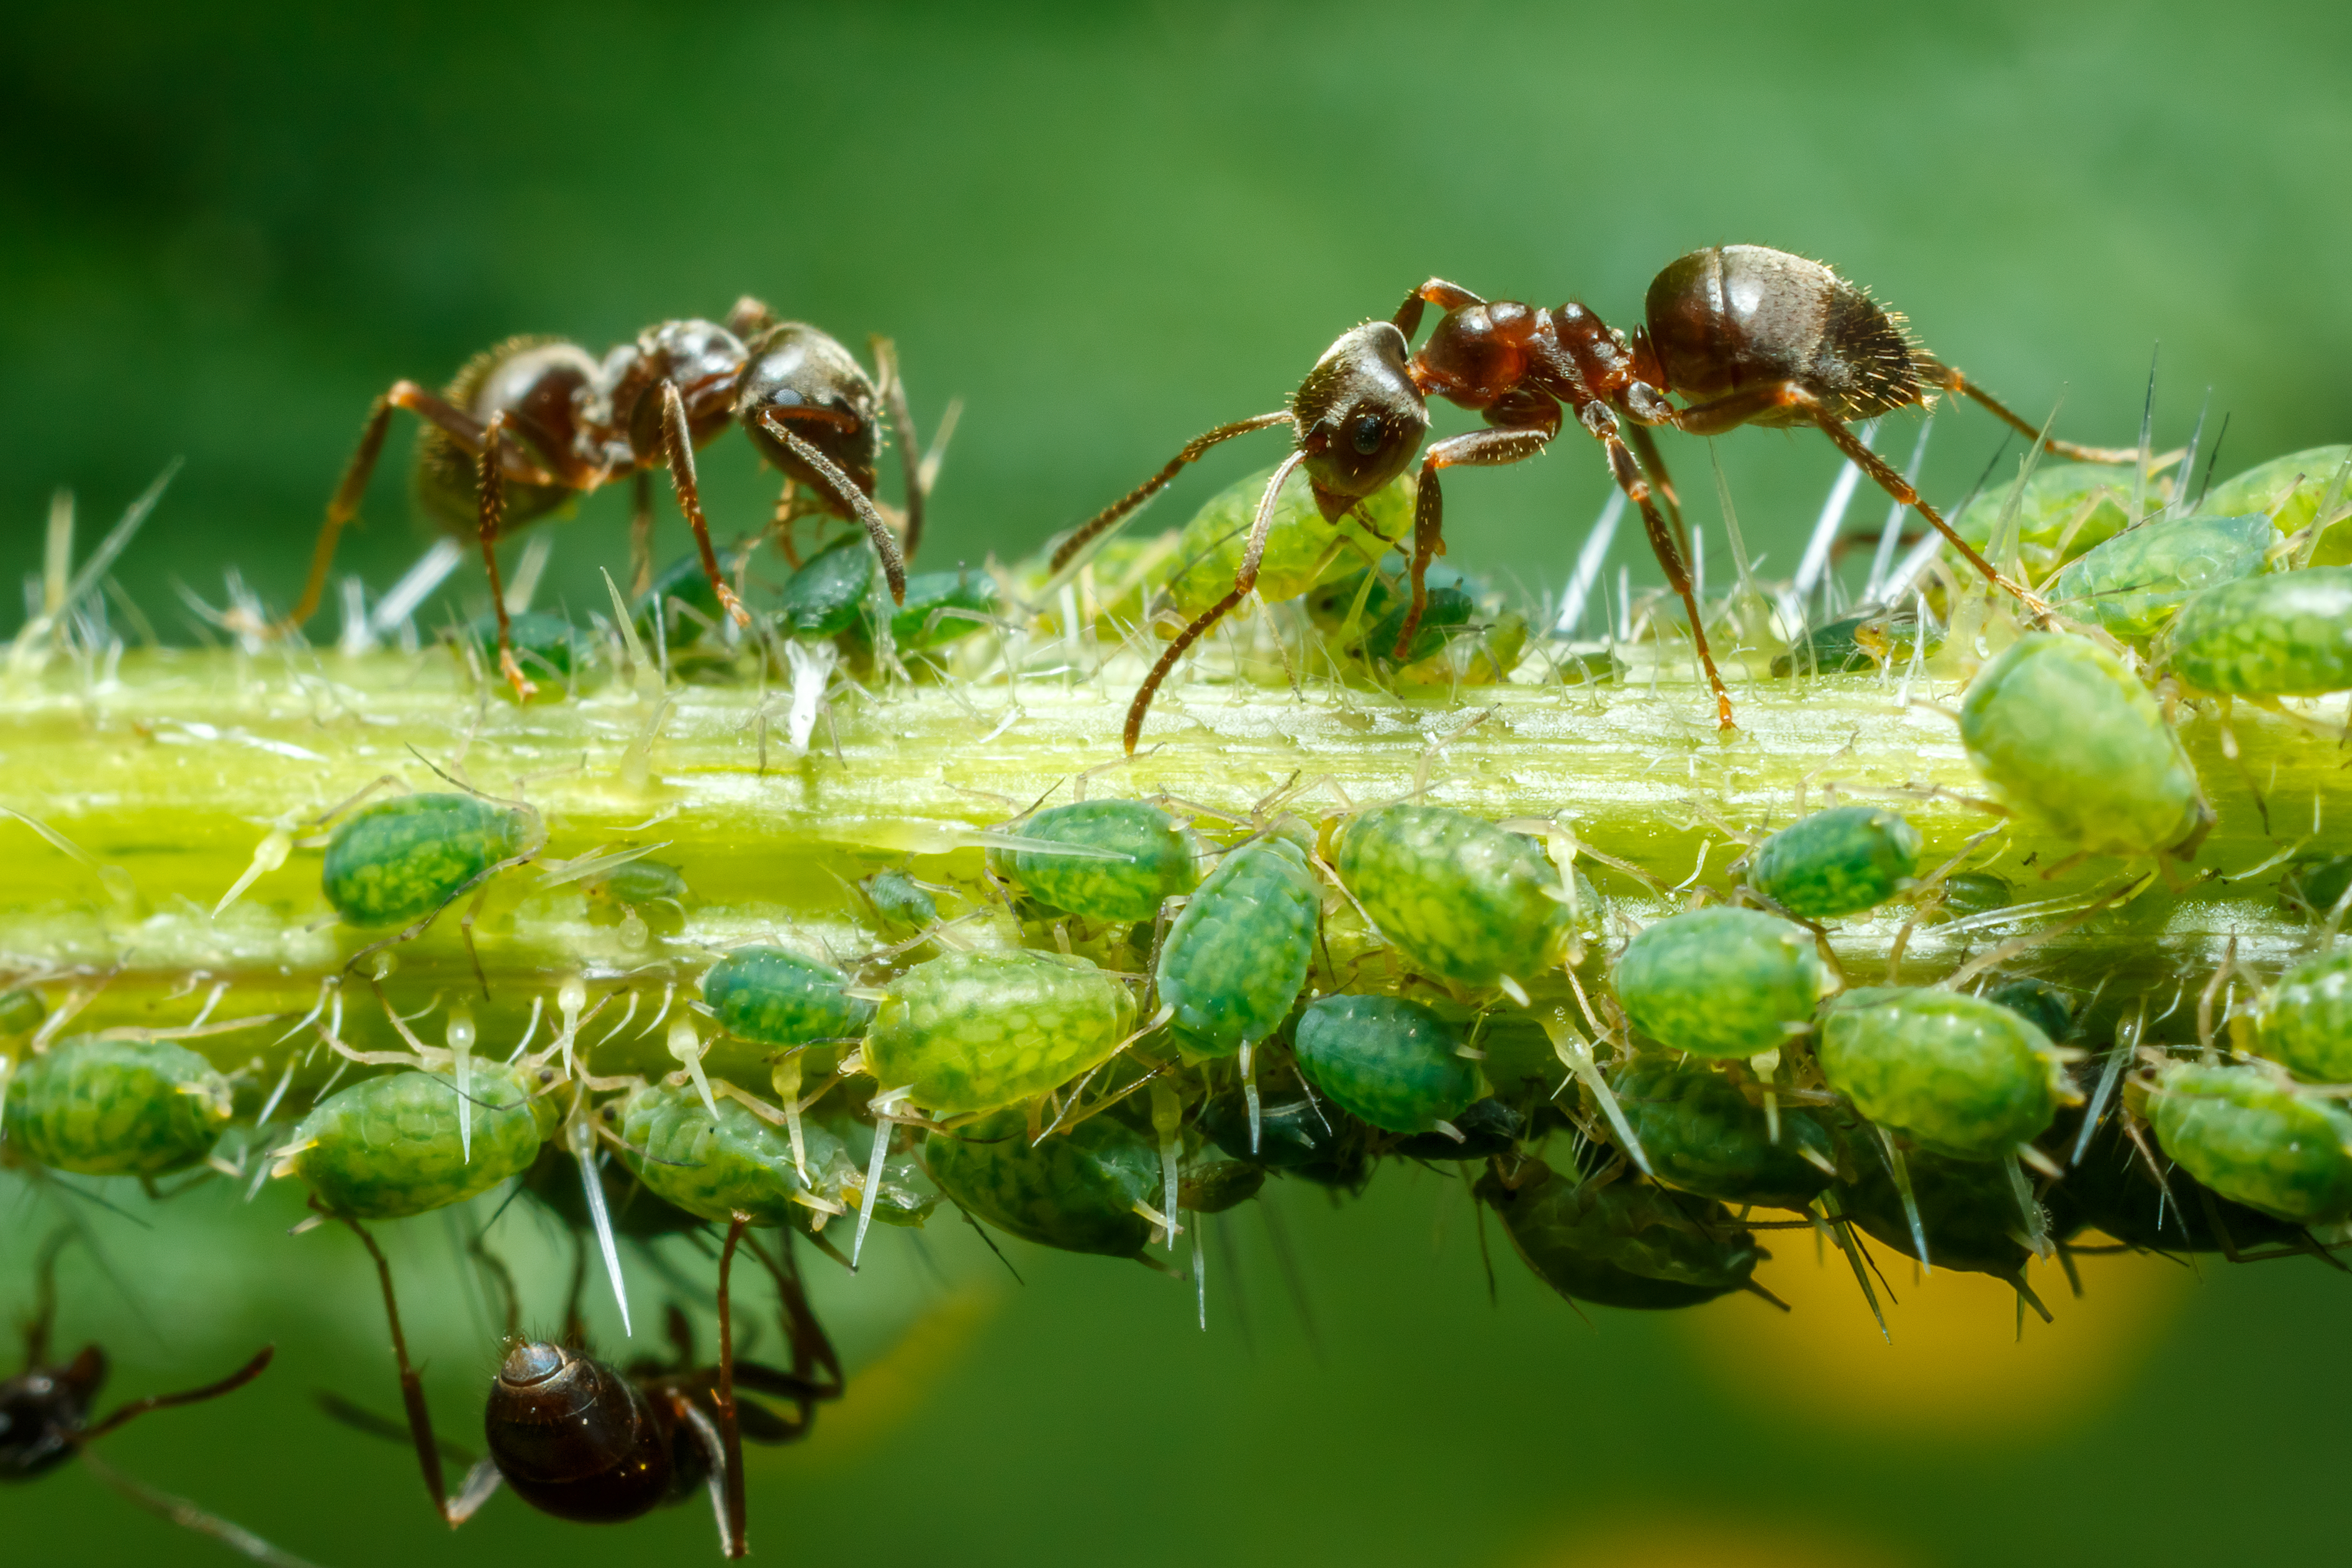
x: 802, y: 382
x: 701, y: 359
x: 42, y: 1411
x: 1359, y: 417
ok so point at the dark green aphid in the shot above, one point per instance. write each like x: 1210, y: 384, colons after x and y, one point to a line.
x: 1235, y: 959
x: 21, y: 1012
x: 1721, y: 981
x: 2251, y: 1137
x: 2306, y: 1024
x: 2064, y: 509
x: 389, y: 1147
x: 400, y: 860
x: 1297, y: 1133
x: 1394, y: 1063
x: 1969, y: 892
x: 971, y: 1032
x: 1076, y: 1191
x: 900, y: 900
x: 1623, y: 1243
x: 2313, y: 883
x: 829, y: 593
x: 941, y: 607
x: 1838, y: 862
x: 1328, y: 605
x: 2110, y: 1190
x: 1953, y: 1074
x: 1488, y: 1128
x: 1967, y: 1210
x: 2133, y: 583
x: 769, y: 1000
x: 1450, y: 613
x: 2290, y: 489
x: 1219, y: 1185
x: 2287, y: 634
x: 1161, y: 860
x: 2069, y: 737
x: 2039, y: 1003
x: 1858, y: 642
x: 1704, y: 1135
x: 679, y: 604
x: 543, y: 645
x: 739, y: 1163
x: 117, y: 1107
x: 1460, y: 897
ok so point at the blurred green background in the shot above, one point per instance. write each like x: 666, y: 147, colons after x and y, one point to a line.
x: 1108, y: 228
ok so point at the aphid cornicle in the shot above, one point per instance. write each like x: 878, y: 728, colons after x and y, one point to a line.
x: 1842, y: 861
x: 386, y: 1147
x: 117, y: 1107
x: 1703, y: 1135
x: 1077, y: 1191
x: 401, y: 860
x: 769, y: 999
x: 738, y: 1164
x: 1624, y: 1243
x: 1394, y: 1063
x: 973, y: 1031
x: 1461, y: 898
x: 2251, y: 1137
x: 1234, y: 961
x: 1721, y: 981
x: 1159, y: 860
x: 1953, y: 1074
x: 2287, y: 634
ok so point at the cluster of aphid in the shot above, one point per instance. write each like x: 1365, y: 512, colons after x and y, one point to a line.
x: 1141, y: 1010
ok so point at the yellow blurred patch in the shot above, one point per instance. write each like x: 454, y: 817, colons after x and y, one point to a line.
x: 1728, y: 1544
x: 1958, y: 1366
x: 883, y: 1395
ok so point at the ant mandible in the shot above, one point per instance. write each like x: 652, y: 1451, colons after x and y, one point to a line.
x: 535, y: 423
x: 45, y: 1420
x: 1745, y: 334
x: 580, y: 1439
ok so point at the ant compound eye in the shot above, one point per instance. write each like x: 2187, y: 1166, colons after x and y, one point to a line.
x: 1366, y: 433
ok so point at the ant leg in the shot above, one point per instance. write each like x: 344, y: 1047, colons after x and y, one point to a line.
x: 1448, y: 296
x: 1246, y: 580
x: 678, y: 444
x: 1953, y: 381
x: 1479, y: 448
x: 730, y: 1436
x: 411, y: 1386
x: 1629, y: 477
x: 894, y: 398
x: 45, y: 1299
x: 812, y: 1348
x: 179, y: 1511
x: 137, y: 1407
x: 641, y: 535
x: 1894, y: 485
x: 749, y: 316
x: 1111, y: 516
x: 1662, y: 483
x: 493, y: 496
x: 853, y: 501
x: 495, y: 1268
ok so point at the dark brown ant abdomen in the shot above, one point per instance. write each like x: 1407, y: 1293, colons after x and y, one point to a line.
x: 805, y: 379
x: 1729, y: 317
x: 577, y: 1439
x: 543, y: 386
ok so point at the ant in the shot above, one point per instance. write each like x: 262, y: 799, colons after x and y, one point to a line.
x: 45, y: 1420
x: 584, y: 1440
x: 535, y: 423
x: 1745, y: 334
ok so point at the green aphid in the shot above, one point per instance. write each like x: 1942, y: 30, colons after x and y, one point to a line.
x: 829, y: 593
x: 1704, y: 1135
x: 543, y: 645
x: 1721, y: 981
x: 2306, y: 1025
x: 389, y: 1147
x: 2111, y: 1189
x: 941, y: 607
x: 639, y: 882
x: 1161, y: 860
x: 972, y: 1031
x: 678, y: 604
x: 1859, y: 643
x: 1394, y: 1063
x: 2134, y: 583
x: 1968, y: 893
x: 2064, y: 509
x: 899, y: 900
x: 1235, y: 959
x: 2314, y: 884
x: 21, y: 1012
x: 1216, y: 1186
x: 1967, y: 1210
x: 2251, y: 1137
x: 1624, y: 1243
x: 1328, y: 605
x: 1460, y: 897
x: 1955, y: 1073
x: 2290, y: 489
x: 2287, y: 634
x: 1489, y: 1128
x: 117, y: 1107
x: 741, y: 1163
x: 1450, y: 613
x: 1298, y: 1132
x: 906, y: 1196
x: 1838, y: 862
x: 2070, y: 738
x: 2045, y: 1006
x: 1075, y: 1190
x: 769, y: 999
x: 1300, y: 546
x: 401, y: 860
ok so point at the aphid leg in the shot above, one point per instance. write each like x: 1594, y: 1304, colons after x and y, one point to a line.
x: 1629, y: 477
x: 411, y: 1386
x: 678, y: 450
x: 1901, y: 1173
x: 852, y: 499
x: 902, y: 422
x: 1953, y: 381
x: 1479, y: 448
x: 188, y: 1516
x: 812, y: 1348
x: 1111, y: 516
x: 641, y: 535
x: 492, y: 495
x: 1245, y: 583
x: 731, y: 1436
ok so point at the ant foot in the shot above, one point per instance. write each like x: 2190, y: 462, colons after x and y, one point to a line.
x: 733, y: 605
x: 524, y: 689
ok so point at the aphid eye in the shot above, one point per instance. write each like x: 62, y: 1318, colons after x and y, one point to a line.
x: 1366, y: 434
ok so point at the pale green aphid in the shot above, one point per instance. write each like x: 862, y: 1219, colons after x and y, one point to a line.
x: 2306, y: 1025
x: 402, y: 859
x: 2288, y: 634
x: 2132, y: 584
x: 389, y: 1147
x: 1956, y: 1074
x: 1301, y: 547
x: 1075, y: 1190
x: 1722, y: 981
x: 899, y: 900
x: 1159, y: 860
x: 1393, y: 1063
x: 739, y: 1163
x: 21, y: 1012
x: 2064, y: 509
x: 2273, y: 487
x: 769, y: 999
x: 1234, y: 961
x: 1838, y: 862
x: 117, y: 1107
x: 2071, y: 738
x: 1461, y: 898
x: 972, y: 1031
x: 2250, y: 1137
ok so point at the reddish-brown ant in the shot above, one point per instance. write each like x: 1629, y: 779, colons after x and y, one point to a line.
x: 535, y: 423
x: 1746, y: 335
